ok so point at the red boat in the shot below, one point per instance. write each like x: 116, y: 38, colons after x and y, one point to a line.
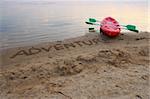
x: 110, y: 27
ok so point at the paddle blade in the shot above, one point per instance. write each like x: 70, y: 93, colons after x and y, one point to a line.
x: 91, y: 28
x: 132, y: 27
x: 134, y: 30
x: 89, y: 23
x: 92, y: 20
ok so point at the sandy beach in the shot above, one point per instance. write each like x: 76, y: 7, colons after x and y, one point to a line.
x: 86, y: 67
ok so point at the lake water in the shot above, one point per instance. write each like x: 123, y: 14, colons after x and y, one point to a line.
x: 26, y: 23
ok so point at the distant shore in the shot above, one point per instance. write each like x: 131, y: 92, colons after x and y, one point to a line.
x: 78, y: 68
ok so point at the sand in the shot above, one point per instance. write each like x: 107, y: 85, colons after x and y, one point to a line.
x: 87, y: 67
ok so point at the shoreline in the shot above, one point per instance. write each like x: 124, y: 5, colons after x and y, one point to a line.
x: 44, y: 43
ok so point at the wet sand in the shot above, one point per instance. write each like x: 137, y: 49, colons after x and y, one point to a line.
x: 87, y: 67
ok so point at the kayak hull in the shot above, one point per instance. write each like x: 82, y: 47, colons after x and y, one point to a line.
x: 110, y: 27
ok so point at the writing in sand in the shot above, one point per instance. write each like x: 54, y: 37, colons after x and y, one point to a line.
x: 59, y: 46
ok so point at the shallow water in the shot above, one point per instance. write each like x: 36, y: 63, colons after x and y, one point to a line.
x: 26, y: 23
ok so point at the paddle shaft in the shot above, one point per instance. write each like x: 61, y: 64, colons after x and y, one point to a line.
x: 130, y: 29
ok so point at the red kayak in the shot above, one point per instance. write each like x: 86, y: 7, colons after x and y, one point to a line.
x: 110, y: 27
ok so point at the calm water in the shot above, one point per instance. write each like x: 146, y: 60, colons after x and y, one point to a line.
x: 26, y: 23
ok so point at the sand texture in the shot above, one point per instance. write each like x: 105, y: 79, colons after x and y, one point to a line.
x: 87, y: 67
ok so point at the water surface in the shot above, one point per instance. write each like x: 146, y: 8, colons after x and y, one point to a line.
x: 27, y: 23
